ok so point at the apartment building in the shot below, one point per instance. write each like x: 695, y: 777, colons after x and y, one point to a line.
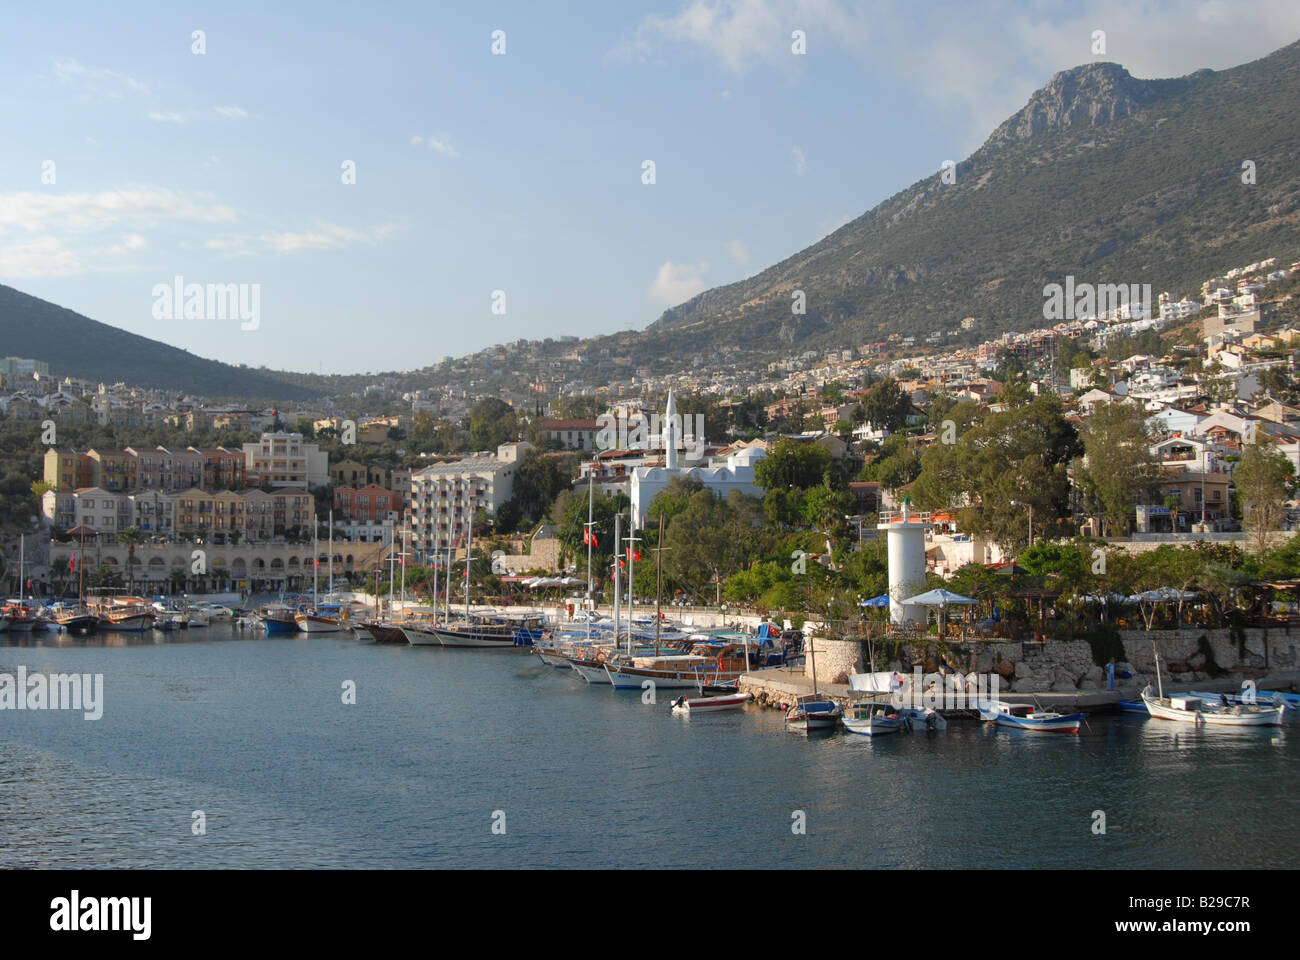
x: 273, y: 514
x: 67, y: 470
x: 445, y: 496
x: 285, y: 460
x: 115, y: 470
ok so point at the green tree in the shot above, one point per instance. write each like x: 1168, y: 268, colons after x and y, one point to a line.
x: 1264, y: 478
x: 491, y: 423
x: 886, y: 405
x: 1119, y: 470
x: 790, y: 464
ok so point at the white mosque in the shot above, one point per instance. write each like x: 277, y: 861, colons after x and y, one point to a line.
x: 735, y: 471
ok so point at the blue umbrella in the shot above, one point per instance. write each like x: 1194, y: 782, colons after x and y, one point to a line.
x: 880, y: 601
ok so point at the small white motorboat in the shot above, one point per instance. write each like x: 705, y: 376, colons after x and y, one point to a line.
x: 873, y: 719
x: 1021, y: 716
x: 708, y: 704
x: 812, y: 712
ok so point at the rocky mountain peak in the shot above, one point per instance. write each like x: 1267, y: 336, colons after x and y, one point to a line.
x: 1087, y: 95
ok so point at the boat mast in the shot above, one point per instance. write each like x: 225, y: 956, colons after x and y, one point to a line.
x: 591, y: 492
x: 448, y: 578
x: 22, y: 546
x: 812, y: 654
x: 315, y: 565
x: 469, y: 551
x: 81, y: 571
x: 1160, y: 687
x: 403, y: 566
x: 631, y: 598
x: 331, y: 543
x: 618, y: 532
x: 659, y: 581
x: 434, y: 576
x: 392, y: 559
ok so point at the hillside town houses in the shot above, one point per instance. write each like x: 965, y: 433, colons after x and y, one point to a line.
x: 1204, y: 399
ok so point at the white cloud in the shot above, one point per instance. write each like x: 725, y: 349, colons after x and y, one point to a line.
x: 171, y: 116
x: 141, y: 206
x: 231, y: 113
x: 739, y: 252
x: 40, y: 257
x: 97, y: 81
x: 740, y: 33
x: 800, y: 162
x: 129, y: 242
x: 323, y: 236
x: 437, y: 144
x: 675, y: 283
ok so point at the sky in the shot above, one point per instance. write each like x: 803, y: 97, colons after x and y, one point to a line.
x: 395, y: 190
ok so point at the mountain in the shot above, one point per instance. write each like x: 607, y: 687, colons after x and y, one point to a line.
x: 1102, y: 175
x: 77, y: 346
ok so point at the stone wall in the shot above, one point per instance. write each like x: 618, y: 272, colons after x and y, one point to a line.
x: 1067, y: 666
x: 835, y: 658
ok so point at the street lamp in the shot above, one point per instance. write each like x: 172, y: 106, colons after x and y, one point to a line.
x: 1021, y: 503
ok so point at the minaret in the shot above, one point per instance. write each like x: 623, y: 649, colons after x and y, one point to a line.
x: 669, y: 432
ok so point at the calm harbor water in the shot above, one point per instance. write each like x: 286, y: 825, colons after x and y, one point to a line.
x: 252, y: 730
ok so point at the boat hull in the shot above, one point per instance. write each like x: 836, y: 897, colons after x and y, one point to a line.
x: 420, y: 636
x: 591, y: 671
x: 311, y: 623
x: 1069, y: 724
x: 277, y: 625
x: 633, y: 678
x: 1238, y: 716
x: 693, y: 705
x: 384, y: 633
x: 873, y: 726
x: 137, y: 623
x: 480, y: 639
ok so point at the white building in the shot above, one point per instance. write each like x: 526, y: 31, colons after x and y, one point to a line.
x: 732, y: 472
x: 286, y: 460
x: 445, y: 496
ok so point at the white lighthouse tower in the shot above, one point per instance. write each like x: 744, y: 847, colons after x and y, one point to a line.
x: 906, y: 541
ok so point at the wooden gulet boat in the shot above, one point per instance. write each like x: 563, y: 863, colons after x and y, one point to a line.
x: 322, y: 618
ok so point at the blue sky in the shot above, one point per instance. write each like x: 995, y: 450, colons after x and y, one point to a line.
x: 519, y: 172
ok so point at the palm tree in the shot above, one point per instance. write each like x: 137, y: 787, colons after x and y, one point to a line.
x: 132, y: 537
x: 59, y: 573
